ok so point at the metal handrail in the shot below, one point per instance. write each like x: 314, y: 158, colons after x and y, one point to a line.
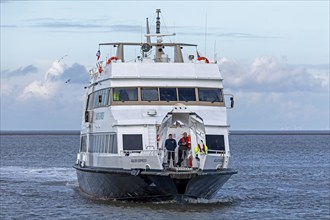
x: 216, y: 151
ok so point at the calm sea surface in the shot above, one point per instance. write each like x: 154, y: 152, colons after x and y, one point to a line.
x: 279, y: 177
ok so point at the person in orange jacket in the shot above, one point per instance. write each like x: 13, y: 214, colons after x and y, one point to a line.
x: 184, y: 146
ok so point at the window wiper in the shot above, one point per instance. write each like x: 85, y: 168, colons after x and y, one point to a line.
x: 184, y: 99
x: 166, y: 99
x: 216, y: 99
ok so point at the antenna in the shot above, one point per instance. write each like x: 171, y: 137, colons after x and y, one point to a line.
x: 215, y: 52
x: 141, y: 33
x: 148, y: 31
x: 205, y: 32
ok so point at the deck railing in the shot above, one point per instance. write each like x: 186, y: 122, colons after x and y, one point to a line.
x: 222, y: 152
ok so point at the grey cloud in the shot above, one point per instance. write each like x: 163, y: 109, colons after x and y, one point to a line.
x: 8, y: 26
x: 20, y: 71
x: 85, y: 26
x: 6, y: 1
x: 77, y: 74
x: 243, y: 35
x: 126, y: 28
x: 65, y: 25
x: 314, y: 66
x: 267, y: 74
x: 228, y: 35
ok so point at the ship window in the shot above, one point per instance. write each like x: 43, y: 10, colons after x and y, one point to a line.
x: 132, y: 142
x: 215, y: 142
x: 210, y: 95
x: 187, y: 94
x: 103, y: 143
x: 83, y: 143
x: 90, y: 102
x: 98, y: 99
x: 125, y: 94
x: 167, y: 94
x: 149, y: 94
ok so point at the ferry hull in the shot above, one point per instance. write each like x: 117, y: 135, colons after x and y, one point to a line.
x: 121, y: 184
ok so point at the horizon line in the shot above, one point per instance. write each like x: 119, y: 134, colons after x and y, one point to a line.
x: 231, y: 132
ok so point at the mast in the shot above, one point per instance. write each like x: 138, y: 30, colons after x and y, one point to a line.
x: 158, y: 22
x: 159, y: 47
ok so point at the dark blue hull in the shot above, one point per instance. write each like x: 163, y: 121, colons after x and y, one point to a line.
x: 122, y: 184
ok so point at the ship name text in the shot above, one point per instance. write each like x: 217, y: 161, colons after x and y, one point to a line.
x: 99, y: 116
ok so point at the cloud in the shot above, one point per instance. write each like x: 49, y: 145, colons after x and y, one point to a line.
x: 273, y: 111
x: 55, y: 71
x: 6, y: 1
x: 81, y: 25
x: 68, y: 24
x: 127, y: 28
x: 6, y: 89
x: 99, y: 25
x: 20, y: 71
x: 54, y: 79
x: 39, y: 89
x: 268, y: 74
x: 226, y: 34
x: 8, y: 26
x: 47, y: 88
x: 76, y: 74
x: 272, y: 94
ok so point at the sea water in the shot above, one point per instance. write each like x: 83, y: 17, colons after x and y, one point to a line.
x: 279, y: 177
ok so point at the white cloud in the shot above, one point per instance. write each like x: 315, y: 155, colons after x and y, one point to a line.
x: 47, y: 88
x: 55, y: 71
x: 26, y: 83
x: 54, y: 80
x: 38, y: 89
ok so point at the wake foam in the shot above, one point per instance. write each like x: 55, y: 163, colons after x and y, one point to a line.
x: 19, y: 173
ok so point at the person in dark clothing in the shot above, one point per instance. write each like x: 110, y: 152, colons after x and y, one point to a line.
x: 184, y: 146
x: 170, y: 145
x: 123, y: 95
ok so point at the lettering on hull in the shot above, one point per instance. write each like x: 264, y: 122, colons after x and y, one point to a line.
x: 99, y: 116
x: 138, y: 160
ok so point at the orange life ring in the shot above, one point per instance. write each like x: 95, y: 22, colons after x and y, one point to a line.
x: 112, y: 58
x: 203, y: 58
x: 100, y: 69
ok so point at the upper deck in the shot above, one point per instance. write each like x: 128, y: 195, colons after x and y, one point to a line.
x: 165, y: 74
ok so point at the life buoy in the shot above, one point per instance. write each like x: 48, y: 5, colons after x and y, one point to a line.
x: 100, y: 69
x: 203, y: 58
x: 111, y: 59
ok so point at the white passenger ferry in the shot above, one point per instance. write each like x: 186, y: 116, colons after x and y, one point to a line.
x: 132, y: 107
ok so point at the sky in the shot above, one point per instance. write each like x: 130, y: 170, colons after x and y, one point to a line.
x: 273, y: 55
